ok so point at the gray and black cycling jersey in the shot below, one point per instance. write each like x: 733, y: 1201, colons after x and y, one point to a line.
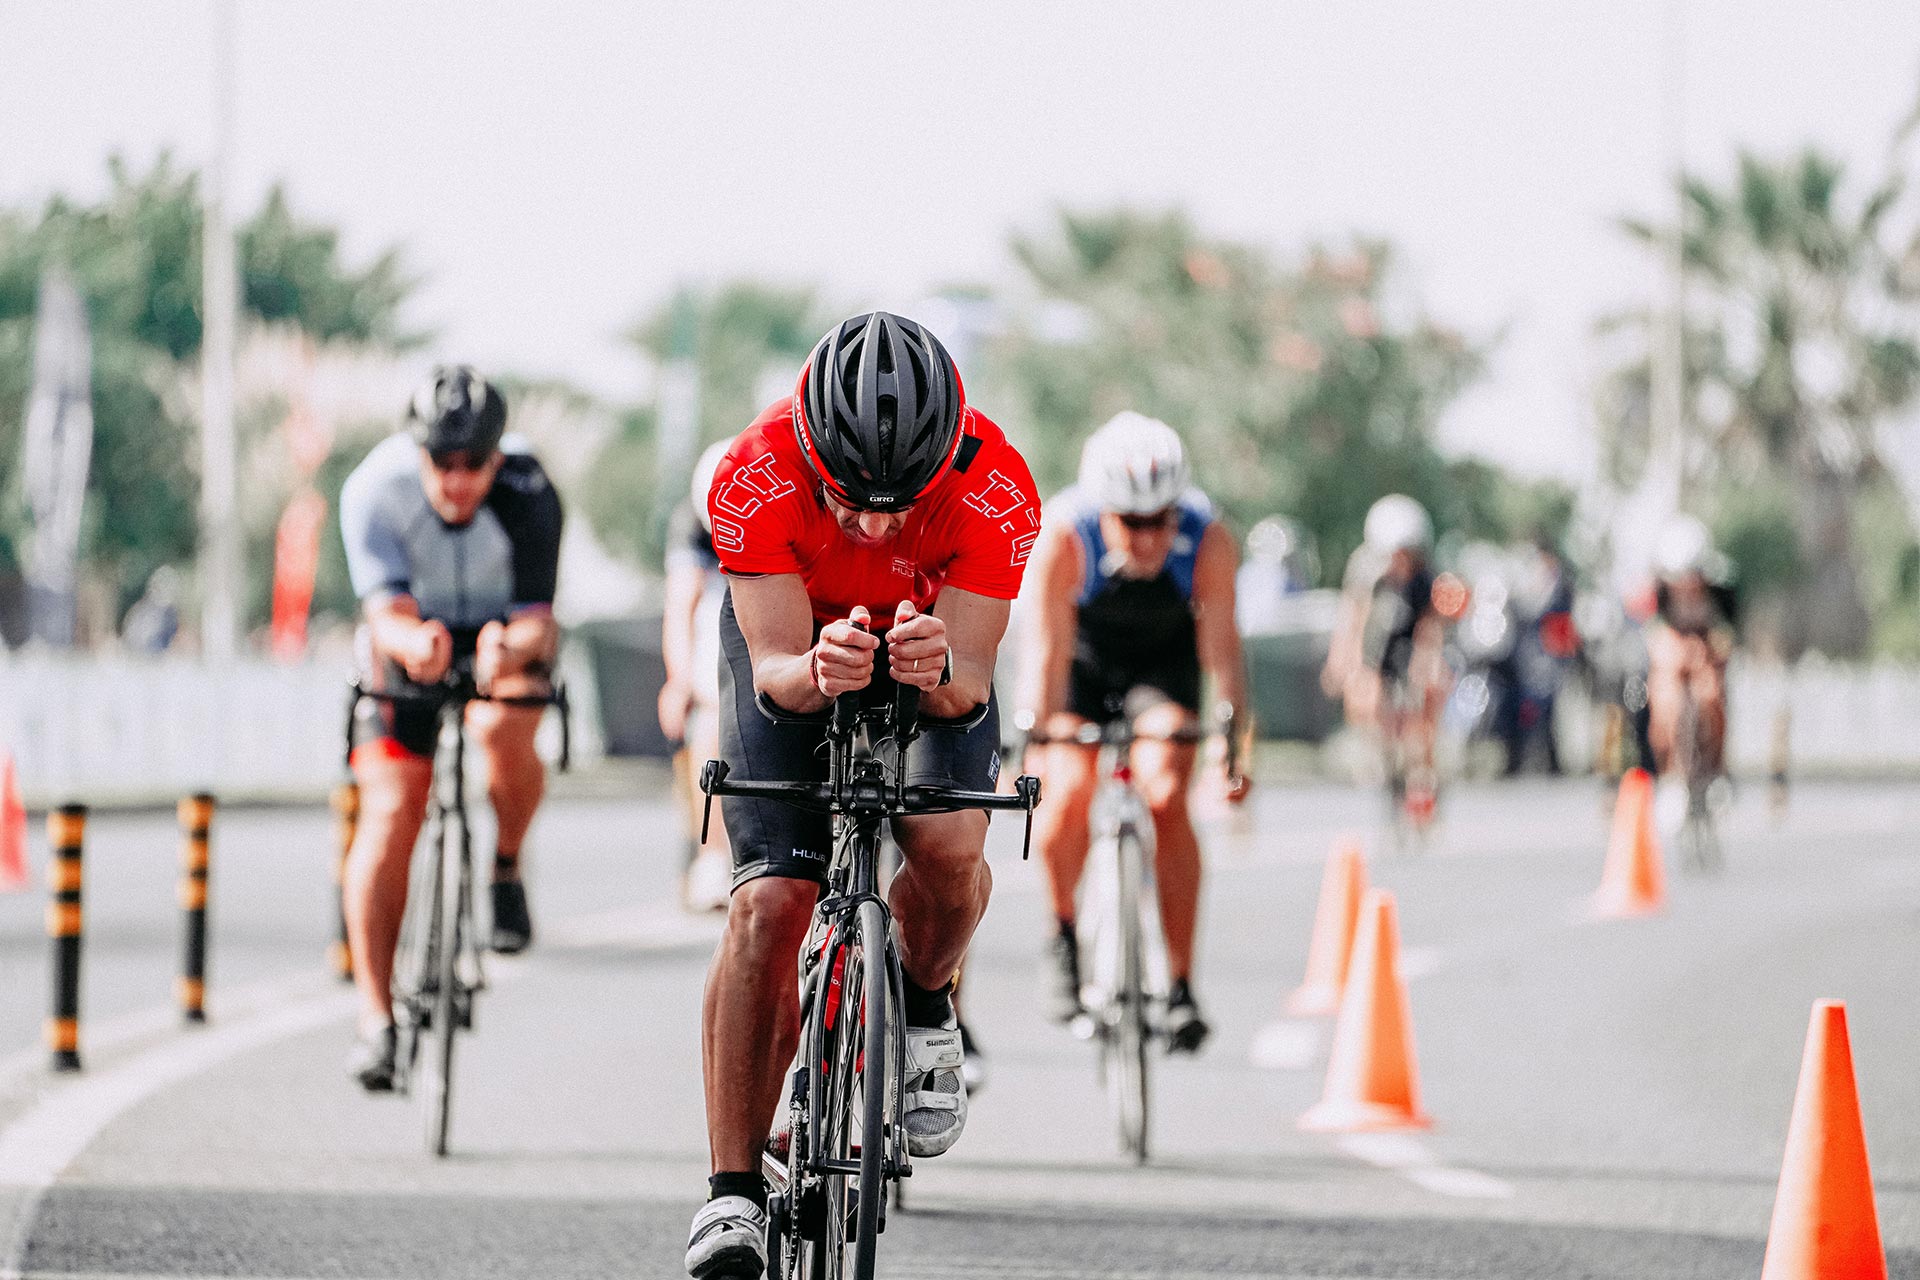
x: 502, y: 561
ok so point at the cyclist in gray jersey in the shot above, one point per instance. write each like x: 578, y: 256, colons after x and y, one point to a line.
x: 452, y: 533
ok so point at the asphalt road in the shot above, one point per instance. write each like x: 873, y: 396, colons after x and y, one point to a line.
x: 1611, y: 1099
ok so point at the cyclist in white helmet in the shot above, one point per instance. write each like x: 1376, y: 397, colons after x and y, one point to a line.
x: 1696, y: 607
x: 689, y: 700
x: 1131, y: 592
x: 1385, y: 661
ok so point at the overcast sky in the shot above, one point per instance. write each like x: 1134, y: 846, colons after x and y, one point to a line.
x: 555, y: 169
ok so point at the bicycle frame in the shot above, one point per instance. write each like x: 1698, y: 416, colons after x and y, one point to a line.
x: 435, y: 985
x: 809, y: 1206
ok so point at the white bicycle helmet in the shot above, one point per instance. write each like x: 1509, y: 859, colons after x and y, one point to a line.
x: 1398, y: 523
x: 1684, y: 547
x: 703, y: 481
x: 1134, y: 465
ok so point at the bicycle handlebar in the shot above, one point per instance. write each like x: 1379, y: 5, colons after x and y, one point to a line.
x: 940, y: 724
x: 458, y: 687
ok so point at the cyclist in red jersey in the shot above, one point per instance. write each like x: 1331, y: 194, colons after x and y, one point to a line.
x: 874, y: 529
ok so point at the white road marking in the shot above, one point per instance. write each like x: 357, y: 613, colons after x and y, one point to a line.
x: 1413, y: 1160
x: 37, y: 1148
x: 113, y: 1034
x: 1287, y: 1044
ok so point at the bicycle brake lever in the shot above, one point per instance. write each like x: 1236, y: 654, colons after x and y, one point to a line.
x: 712, y: 773
x: 1028, y: 788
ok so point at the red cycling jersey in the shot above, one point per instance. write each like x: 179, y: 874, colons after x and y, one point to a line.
x: 973, y: 530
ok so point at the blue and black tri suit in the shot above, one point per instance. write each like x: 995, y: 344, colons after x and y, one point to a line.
x: 1135, y: 635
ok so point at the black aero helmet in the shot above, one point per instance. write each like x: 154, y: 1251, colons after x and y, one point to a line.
x: 456, y: 409
x: 878, y: 410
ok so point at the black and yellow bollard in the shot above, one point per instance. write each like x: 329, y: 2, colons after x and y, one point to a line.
x: 66, y: 832
x: 346, y: 809
x: 196, y: 827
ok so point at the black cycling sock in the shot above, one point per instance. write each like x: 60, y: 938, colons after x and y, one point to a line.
x: 1066, y: 928
x: 506, y: 866
x: 1178, y: 992
x: 926, y: 1008
x: 751, y: 1186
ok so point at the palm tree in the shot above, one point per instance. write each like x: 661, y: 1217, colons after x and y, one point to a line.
x: 1799, y: 346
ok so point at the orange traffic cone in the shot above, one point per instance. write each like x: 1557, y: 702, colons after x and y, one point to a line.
x: 13, y: 830
x: 1824, y: 1223
x: 1633, y: 882
x: 1335, y: 921
x: 1372, y: 1083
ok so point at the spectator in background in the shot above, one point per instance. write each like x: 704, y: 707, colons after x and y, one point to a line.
x: 1280, y: 562
x: 690, y: 647
x: 1545, y: 648
x: 154, y: 621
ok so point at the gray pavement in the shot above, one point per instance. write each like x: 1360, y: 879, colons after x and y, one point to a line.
x: 1611, y: 1099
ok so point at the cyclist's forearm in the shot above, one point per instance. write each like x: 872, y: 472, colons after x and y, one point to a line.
x: 972, y: 685
x: 787, y: 678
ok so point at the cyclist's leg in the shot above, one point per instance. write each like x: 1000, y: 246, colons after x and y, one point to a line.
x: 1163, y: 771
x: 393, y: 766
x: 940, y: 892
x: 1710, y: 698
x: 516, y: 776
x: 750, y: 1022
x: 1069, y: 775
x: 1666, y: 667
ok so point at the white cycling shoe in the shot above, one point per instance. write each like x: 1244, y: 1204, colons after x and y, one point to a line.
x: 728, y: 1240
x: 935, y: 1108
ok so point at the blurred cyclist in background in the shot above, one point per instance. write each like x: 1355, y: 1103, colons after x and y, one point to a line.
x: 1687, y: 653
x: 452, y: 533
x: 1132, y: 593
x: 689, y: 700
x: 1385, y: 660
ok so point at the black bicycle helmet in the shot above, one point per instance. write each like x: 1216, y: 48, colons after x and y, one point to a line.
x: 456, y: 410
x: 878, y: 410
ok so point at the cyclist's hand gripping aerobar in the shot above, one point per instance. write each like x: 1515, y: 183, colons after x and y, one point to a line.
x: 843, y: 656
x: 917, y: 647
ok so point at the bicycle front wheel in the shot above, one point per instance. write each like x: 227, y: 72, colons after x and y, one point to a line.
x: 455, y: 886
x: 1126, y: 1058
x: 876, y: 1086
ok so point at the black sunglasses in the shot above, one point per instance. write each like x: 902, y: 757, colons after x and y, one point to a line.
x: 459, y: 460
x: 1152, y: 520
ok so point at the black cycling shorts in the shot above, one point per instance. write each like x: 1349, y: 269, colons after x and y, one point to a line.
x: 409, y: 729
x: 771, y: 839
x: 1102, y: 692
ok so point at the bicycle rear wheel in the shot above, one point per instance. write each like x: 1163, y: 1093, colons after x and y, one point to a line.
x: 1126, y: 1048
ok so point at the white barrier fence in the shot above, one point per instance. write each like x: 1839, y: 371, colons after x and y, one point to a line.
x: 1839, y: 719
x: 124, y: 730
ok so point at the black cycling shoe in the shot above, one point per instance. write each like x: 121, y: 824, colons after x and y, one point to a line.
x: 1060, y: 982
x: 372, y: 1060
x: 512, y: 926
x: 1184, y: 1028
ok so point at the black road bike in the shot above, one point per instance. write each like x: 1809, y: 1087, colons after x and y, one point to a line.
x: 845, y: 1143
x: 437, y: 969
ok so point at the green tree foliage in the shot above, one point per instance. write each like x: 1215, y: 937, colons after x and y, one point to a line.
x: 1307, y: 387
x: 136, y: 257
x: 738, y: 337
x: 1799, y: 344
